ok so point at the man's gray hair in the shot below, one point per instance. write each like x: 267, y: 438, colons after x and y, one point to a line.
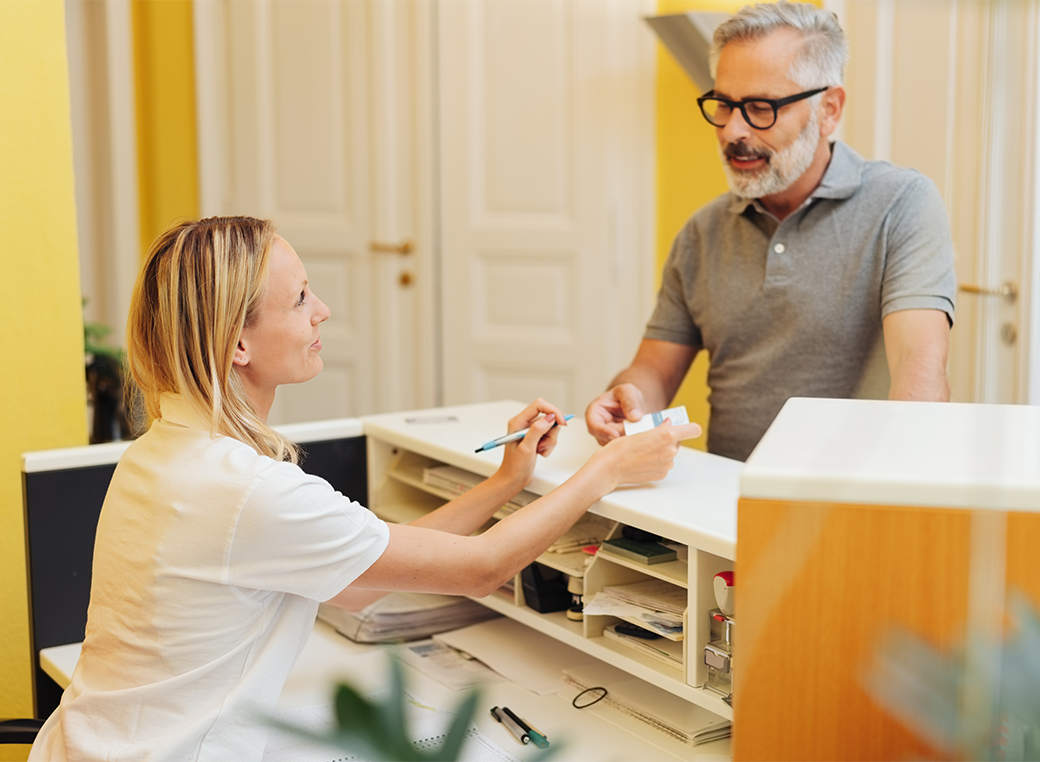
x: 825, y: 51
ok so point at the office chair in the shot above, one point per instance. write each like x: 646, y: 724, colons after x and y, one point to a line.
x: 19, y: 731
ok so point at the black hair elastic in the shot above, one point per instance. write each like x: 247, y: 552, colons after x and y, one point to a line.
x: 576, y: 705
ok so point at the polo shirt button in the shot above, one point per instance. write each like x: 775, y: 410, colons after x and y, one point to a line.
x: 779, y: 248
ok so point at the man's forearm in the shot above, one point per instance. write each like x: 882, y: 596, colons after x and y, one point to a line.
x: 657, y: 370
x: 920, y: 379
x: 655, y: 394
x: 917, y: 346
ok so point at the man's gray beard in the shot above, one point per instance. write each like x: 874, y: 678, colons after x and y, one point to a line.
x: 783, y: 168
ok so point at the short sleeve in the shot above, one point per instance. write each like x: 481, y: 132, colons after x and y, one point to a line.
x: 671, y: 320
x: 919, y: 259
x: 296, y: 534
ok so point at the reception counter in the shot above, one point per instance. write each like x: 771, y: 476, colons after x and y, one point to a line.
x: 866, y: 524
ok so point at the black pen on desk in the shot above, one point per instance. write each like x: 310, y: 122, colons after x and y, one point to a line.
x: 514, y: 727
x: 539, y: 740
x: 516, y: 436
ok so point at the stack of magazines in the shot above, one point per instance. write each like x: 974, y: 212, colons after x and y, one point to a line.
x: 405, y: 616
x: 682, y: 720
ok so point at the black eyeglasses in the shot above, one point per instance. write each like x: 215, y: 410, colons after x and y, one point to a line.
x: 760, y: 113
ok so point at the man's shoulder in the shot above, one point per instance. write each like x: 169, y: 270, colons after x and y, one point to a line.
x: 883, y: 178
x: 884, y: 173
x: 719, y: 211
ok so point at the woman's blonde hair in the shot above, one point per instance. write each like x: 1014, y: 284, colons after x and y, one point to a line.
x: 202, y: 283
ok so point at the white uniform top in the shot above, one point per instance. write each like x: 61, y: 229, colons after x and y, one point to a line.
x: 208, y: 564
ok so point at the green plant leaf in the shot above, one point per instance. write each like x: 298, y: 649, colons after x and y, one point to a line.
x: 353, y: 711
x: 456, y: 735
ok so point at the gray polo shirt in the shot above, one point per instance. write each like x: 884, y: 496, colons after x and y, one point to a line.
x: 794, y: 308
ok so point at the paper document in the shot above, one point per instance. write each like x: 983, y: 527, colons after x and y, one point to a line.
x: 404, y: 616
x: 427, y: 727
x: 655, y: 706
x: 446, y: 665
x: 518, y: 653
x: 457, y: 481
x: 654, y: 594
x: 666, y: 651
x: 677, y: 415
x: 655, y: 621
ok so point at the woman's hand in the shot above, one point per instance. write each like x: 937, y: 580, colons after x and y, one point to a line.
x: 648, y: 456
x: 519, y: 457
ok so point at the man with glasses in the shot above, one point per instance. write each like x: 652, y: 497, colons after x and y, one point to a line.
x: 792, y: 279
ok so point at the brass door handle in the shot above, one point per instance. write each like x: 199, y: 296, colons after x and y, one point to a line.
x: 404, y: 247
x: 1007, y: 291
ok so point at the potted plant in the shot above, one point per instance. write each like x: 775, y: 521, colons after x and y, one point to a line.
x: 105, y: 393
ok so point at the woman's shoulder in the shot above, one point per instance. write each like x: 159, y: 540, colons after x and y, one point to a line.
x: 176, y: 447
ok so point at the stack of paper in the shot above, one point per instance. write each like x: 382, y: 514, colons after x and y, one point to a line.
x: 589, y: 531
x: 663, y: 650
x: 451, y: 479
x: 518, y: 653
x: 405, y: 616
x: 655, y: 706
x: 457, y: 481
x: 654, y: 604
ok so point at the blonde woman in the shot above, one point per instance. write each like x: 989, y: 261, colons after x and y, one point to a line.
x: 213, y: 548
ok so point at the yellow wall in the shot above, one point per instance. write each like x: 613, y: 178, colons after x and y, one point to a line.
x: 167, y: 148
x: 689, y: 175
x: 42, y: 388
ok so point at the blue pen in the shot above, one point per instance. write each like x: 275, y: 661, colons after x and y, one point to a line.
x: 516, y: 436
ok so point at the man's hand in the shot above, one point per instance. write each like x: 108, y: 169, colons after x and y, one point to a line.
x: 645, y: 386
x: 606, y: 415
x: 647, y: 456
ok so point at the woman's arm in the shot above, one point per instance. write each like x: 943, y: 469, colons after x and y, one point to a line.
x: 467, y: 513
x: 423, y: 560
x: 470, y: 511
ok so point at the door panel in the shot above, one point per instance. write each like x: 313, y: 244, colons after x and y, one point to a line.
x: 310, y: 113
x: 537, y: 179
x: 332, y: 118
x: 959, y: 105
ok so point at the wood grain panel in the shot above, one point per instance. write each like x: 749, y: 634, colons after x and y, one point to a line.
x: 820, y: 584
x: 1023, y: 558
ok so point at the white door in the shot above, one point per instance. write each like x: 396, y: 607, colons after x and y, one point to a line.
x: 321, y: 114
x: 546, y: 188
x: 310, y: 114
x: 959, y: 104
x: 101, y: 89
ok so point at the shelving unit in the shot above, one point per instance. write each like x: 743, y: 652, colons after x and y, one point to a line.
x: 695, y: 506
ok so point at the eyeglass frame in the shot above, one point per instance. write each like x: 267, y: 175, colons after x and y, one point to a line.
x: 775, y: 103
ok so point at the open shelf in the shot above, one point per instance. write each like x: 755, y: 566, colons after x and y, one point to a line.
x: 399, y: 493
x: 676, y: 572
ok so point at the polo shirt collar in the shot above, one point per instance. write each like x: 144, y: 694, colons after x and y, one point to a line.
x: 176, y: 410
x: 843, y: 177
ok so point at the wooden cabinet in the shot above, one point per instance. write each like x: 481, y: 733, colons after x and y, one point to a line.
x: 694, y: 506
x: 862, y: 522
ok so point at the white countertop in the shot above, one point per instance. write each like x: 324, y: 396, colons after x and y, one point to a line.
x: 696, y: 503
x: 951, y: 455
x: 110, y: 452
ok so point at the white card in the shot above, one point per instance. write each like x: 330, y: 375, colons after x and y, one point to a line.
x: 677, y: 415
